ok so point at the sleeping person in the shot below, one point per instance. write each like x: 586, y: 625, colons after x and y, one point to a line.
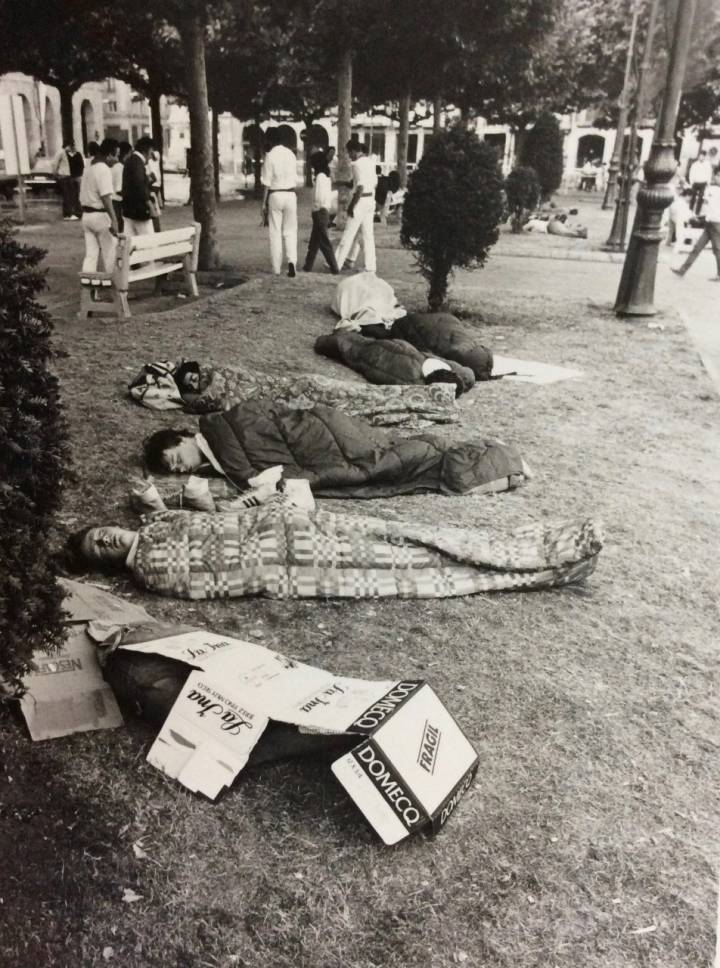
x: 281, y: 550
x: 340, y: 456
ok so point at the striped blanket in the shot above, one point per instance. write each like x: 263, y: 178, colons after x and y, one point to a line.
x: 282, y: 551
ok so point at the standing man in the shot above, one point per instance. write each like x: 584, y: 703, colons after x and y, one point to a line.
x: 117, y: 175
x: 699, y: 176
x: 98, y: 215
x: 711, y: 230
x: 361, y: 209
x: 279, y: 178
x: 136, y: 193
x: 69, y: 166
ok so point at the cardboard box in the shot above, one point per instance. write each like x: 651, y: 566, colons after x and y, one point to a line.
x: 410, y: 770
x: 414, y: 766
x: 67, y: 693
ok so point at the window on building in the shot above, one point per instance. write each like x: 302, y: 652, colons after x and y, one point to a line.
x: 377, y: 146
x: 110, y: 84
x: 111, y: 107
x: 412, y: 149
x: 497, y: 140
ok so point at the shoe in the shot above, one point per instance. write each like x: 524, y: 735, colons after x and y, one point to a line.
x: 68, y: 218
x: 291, y: 270
x: 307, y: 269
x: 678, y: 272
x: 74, y: 218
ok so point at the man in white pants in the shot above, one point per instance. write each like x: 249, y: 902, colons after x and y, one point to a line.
x: 279, y: 176
x: 98, y: 215
x: 361, y: 210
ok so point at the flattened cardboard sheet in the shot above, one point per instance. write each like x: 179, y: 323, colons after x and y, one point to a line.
x: 207, y: 737
x: 86, y: 602
x: 285, y: 690
x: 67, y: 693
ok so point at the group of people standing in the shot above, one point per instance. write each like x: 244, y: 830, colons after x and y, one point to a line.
x: 119, y: 192
x: 279, y: 179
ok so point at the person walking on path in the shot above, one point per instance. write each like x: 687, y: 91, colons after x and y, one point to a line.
x: 99, y: 224
x: 699, y: 176
x: 321, y: 204
x: 136, y: 194
x: 711, y: 230
x: 279, y: 207
x: 361, y: 210
x: 69, y: 166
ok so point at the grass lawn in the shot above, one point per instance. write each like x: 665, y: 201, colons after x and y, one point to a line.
x: 590, y: 837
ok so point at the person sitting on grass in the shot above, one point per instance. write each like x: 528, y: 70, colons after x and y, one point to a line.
x: 281, y: 550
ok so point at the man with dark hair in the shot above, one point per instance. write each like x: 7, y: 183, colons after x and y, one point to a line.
x: 361, y: 209
x: 69, y: 166
x: 136, y: 192
x: 279, y: 177
x: 98, y: 215
x: 117, y: 173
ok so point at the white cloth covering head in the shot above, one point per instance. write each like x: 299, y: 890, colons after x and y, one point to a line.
x: 363, y: 299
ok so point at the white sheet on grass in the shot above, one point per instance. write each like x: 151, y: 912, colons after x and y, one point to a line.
x: 531, y: 371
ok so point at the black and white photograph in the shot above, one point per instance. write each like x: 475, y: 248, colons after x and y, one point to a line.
x: 360, y: 484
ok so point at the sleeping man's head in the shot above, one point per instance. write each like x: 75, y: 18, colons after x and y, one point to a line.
x: 172, y: 451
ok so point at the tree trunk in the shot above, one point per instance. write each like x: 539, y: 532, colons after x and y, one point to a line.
x: 216, y: 152
x: 437, y: 292
x: 403, y: 137
x: 344, y: 130
x: 66, y: 113
x: 308, y: 121
x: 257, y: 158
x: 157, y: 133
x: 437, y: 113
x: 203, y: 195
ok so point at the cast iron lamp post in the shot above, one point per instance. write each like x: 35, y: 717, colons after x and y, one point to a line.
x: 623, y: 108
x: 635, y: 296
x: 618, y: 232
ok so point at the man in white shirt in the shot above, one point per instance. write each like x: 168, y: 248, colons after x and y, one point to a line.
x: 98, y: 215
x: 279, y: 177
x: 699, y: 176
x: 711, y: 231
x: 361, y: 210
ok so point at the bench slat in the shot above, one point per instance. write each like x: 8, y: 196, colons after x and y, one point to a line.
x: 149, y: 272
x: 138, y: 242
x: 159, y: 252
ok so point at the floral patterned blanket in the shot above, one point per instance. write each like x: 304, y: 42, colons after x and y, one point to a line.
x: 221, y: 387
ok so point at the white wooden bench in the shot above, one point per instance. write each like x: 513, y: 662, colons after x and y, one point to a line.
x: 140, y: 257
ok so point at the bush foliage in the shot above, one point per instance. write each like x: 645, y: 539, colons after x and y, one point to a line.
x: 522, y: 190
x: 33, y: 459
x: 453, y: 208
x: 543, y: 151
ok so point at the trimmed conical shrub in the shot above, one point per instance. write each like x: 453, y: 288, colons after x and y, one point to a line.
x: 453, y: 208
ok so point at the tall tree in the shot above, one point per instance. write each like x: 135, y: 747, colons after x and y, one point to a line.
x: 77, y: 47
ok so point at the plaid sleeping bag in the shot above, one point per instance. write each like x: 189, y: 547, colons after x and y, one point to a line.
x: 282, y: 551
